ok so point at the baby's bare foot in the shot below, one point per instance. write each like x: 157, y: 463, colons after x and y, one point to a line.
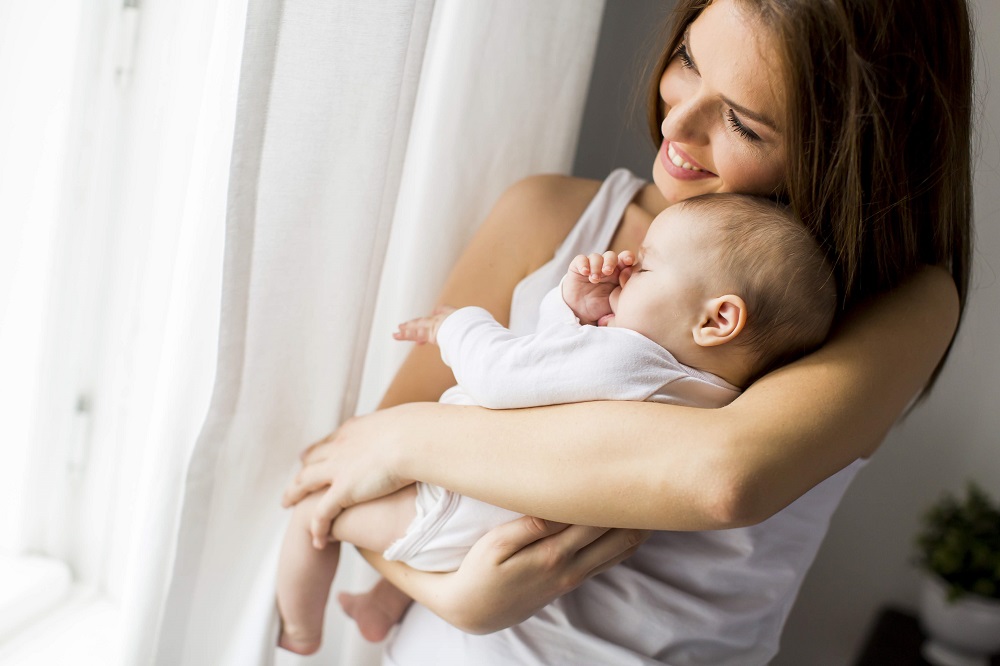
x: 298, y: 641
x: 375, y: 611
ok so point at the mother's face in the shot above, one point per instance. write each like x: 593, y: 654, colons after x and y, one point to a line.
x: 725, y: 102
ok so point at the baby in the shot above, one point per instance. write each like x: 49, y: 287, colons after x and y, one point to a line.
x: 723, y: 289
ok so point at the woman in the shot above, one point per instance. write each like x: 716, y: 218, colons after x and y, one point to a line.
x: 856, y: 113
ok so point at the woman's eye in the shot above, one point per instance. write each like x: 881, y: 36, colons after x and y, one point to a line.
x: 740, y: 128
x: 682, y: 54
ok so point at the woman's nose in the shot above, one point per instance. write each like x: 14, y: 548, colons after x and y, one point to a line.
x: 685, y: 122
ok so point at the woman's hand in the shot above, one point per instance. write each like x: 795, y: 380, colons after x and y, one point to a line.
x: 355, y: 463
x: 513, y: 571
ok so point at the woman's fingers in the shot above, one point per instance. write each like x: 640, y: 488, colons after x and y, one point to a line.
x: 563, y: 549
x: 574, y: 553
x: 310, y: 479
x: 328, y: 507
x: 508, y: 539
x: 578, y: 553
x: 554, y: 544
x: 609, y: 549
x: 315, y: 452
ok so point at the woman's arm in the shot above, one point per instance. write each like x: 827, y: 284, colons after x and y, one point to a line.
x: 519, y: 567
x: 512, y: 571
x: 664, y: 467
x: 520, y: 234
x: 659, y: 466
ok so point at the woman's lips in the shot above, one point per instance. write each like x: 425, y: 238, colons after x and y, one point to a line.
x: 671, y: 154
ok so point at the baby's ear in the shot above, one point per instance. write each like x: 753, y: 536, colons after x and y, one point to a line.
x: 721, y: 321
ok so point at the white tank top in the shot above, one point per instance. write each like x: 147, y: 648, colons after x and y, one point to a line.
x: 715, y: 598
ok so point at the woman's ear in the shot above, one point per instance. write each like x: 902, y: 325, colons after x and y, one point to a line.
x: 722, y: 320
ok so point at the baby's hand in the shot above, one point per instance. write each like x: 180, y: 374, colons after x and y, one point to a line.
x: 599, y: 268
x: 590, y: 281
x: 423, y: 329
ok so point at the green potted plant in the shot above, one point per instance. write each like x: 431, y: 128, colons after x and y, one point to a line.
x: 959, y: 551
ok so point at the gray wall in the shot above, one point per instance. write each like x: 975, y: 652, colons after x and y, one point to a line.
x: 613, y: 133
x: 955, y: 435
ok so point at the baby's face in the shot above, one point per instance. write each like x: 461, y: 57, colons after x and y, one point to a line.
x: 663, y: 297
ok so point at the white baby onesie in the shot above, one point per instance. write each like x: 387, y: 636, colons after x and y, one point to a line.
x: 562, y: 362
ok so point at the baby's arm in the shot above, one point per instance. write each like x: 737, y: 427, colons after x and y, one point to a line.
x: 586, y: 289
x: 591, y: 279
x: 559, y: 364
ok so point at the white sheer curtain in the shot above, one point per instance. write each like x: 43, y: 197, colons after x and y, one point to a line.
x: 121, y: 126
x: 363, y: 130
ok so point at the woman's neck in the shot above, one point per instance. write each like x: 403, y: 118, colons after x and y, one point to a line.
x: 639, y: 214
x: 651, y: 200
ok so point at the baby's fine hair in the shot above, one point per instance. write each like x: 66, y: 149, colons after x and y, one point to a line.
x: 768, y: 258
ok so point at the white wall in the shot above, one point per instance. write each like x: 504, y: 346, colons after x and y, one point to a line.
x: 953, y: 436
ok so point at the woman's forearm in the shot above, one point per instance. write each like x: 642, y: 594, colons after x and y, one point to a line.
x: 513, y: 571
x: 665, y: 467
x: 595, y: 464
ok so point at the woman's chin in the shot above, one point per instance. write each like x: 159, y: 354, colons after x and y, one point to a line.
x: 674, y: 190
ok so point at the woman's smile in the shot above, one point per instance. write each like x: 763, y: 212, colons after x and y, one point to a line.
x: 681, y: 165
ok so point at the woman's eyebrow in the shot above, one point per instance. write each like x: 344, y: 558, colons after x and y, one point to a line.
x: 753, y: 115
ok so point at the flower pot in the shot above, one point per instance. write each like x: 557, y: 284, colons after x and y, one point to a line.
x: 964, y: 632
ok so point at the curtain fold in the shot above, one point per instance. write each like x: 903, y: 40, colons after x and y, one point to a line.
x: 501, y: 97
x: 370, y: 140
x: 317, y: 148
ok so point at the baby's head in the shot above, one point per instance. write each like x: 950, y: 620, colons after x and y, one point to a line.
x: 730, y: 284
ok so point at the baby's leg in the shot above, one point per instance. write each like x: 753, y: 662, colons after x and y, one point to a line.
x: 304, y: 578
x: 305, y: 574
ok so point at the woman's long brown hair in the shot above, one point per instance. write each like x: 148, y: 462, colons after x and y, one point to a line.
x: 878, y: 131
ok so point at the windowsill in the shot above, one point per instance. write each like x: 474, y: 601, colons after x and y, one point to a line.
x: 30, y: 586
x: 48, y: 620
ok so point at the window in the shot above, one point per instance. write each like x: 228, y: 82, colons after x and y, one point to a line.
x: 113, y: 178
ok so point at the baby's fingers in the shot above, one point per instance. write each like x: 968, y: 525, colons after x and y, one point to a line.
x: 610, y: 262
x: 601, y: 265
x: 415, y: 330
x: 580, y: 265
x: 625, y: 259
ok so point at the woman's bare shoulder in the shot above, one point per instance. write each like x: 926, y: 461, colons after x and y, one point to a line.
x: 539, y: 211
x: 521, y: 233
x: 554, y: 193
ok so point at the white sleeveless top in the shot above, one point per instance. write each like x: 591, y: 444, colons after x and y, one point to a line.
x: 714, y: 598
